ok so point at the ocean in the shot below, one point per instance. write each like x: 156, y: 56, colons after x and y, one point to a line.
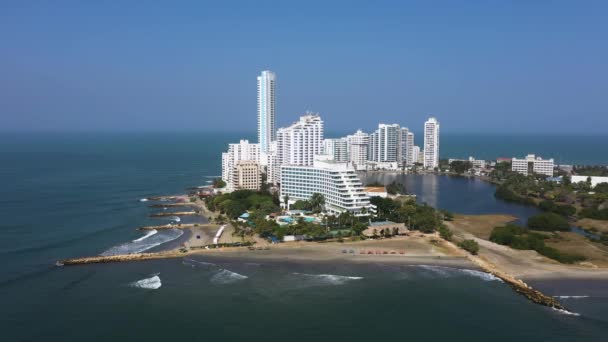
x: 76, y: 194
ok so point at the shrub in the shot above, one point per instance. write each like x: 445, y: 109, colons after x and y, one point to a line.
x: 548, y: 222
x: 445, y: 233
x: 470, y: 246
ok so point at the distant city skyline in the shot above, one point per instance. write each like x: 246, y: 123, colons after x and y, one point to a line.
x: 479, y: 67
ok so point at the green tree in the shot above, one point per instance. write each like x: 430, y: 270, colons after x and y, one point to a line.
x: 470, y: 246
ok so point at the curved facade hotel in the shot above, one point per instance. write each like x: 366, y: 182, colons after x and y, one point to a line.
x: 336, y: 181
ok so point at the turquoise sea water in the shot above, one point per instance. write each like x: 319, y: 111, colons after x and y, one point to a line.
x: 78, y: 194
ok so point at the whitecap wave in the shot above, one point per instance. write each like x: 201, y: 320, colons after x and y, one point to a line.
x: 148, y: 234
x: 571, y: 297
x: 140, y: 245
x: 447, y: 272
x: 143, y: 200
x: 481, y: 275
x: 175, y: 219
x: 327, y: 279
x: 151, y: 283
x: 566, y: 312
x: 224, y: 276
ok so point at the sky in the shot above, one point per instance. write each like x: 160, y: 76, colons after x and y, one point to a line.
x: 534, y: 67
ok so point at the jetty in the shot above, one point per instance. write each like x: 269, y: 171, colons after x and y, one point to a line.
x: 177, y: 213
x: 179, y: 226
x: 516, y: 284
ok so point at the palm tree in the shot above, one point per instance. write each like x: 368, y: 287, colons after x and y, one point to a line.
x: 317, y: 201
x: 286, y: 201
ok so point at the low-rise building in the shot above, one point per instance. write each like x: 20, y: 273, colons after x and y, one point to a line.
x: 379, y: 228
x: 532, y: 164
x: 376, y: 191
x: 595, y: 180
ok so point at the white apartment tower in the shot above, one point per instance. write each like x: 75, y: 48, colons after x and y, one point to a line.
x: 357, y: 146
x: 336, y: 148
x: 384, y: 143
x: 300, y: 142
x: 243, y: 151
x: 416, y: 154
x: 406, y: 143
x: 431, y: 143
x: 266, y: 110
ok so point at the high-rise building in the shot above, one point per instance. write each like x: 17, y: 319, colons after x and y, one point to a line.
x: 266, y: 110
x: 431, y: 143
x: 406, y: 142
x: 532, y: 164
x: 416, y: 158
x: 357, y: 146
x: 243, y: 151
x: 336, y: 181
x: 384, y: 143
x: 248, y: 175
x: 300, y: 142
x: 336, y: 148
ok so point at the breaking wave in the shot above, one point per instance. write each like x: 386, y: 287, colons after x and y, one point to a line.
x: 566, y: 312
x: 571, y: 297
x: 224, y: 276
x: 144, y: 243
x: 151, y: 283
x: 143, y: 200
x: 446, y: 272
x: 327, y: 279
x: 481, y: 275
x: 148, y: 234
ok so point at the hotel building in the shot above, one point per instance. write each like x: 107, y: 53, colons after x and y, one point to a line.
x: 336, y: 181
x: 532, y: 164
x: 384, y: 144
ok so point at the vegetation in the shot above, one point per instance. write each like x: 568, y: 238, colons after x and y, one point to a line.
x: 445, y: 233
x: 233, y: 204
x: 561, y: 209
x: 518, y: 237
x: 218, y: 183
x: 460, y: 166
x: 314, y: 204
x: 549, y: 222
x: 395, y: 188
x: 470, y: 246
x: 417, y: 216
x: 601, y: 171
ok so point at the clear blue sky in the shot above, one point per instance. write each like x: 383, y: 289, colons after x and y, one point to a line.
x: 479, y: 66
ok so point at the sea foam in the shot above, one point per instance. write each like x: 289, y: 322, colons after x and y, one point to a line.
x: 566, y: 312
x: 143, y: 200
x: 327, y: 279
x: 225, y: 276
x: 571, y: 297
x: 148, y: 234
x: 151, y: 283
x: 144, y: 243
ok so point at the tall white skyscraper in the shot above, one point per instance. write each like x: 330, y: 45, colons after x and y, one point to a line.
x: 300, y: 142
x: 266, y: 111
x: 357, y: 146
x: 406, y: 143
x: 384, y: 143
x: 431, y: 143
